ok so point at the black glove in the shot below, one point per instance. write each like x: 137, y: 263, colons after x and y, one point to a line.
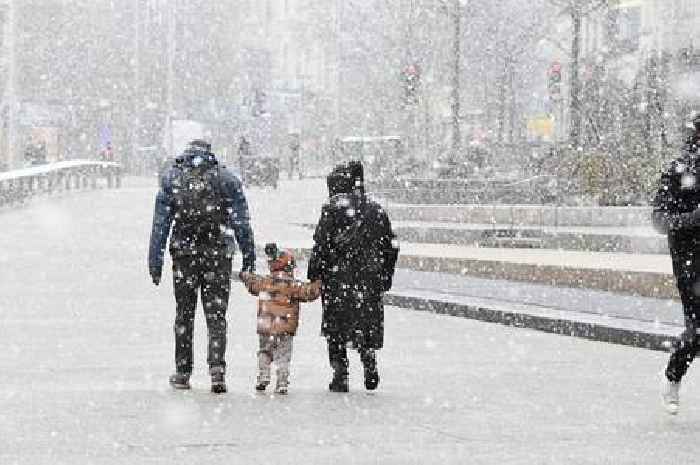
x: 388, y: 282
x: 155, y: 275
x: 248, y: 265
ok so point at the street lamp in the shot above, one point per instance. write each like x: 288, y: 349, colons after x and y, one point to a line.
x: 10, y: 34
x: 456, y: 65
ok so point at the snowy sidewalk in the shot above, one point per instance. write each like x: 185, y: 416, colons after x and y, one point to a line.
x: 86, y: 349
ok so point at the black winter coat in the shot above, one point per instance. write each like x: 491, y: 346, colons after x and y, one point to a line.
x: 354, y: 256
x: 676, y: 204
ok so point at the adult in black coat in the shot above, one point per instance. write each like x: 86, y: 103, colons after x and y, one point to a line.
x: 204, y: 206
x: 354, y: 256
x: 677, y: 214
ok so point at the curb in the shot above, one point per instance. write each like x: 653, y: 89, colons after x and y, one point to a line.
x: 638, y: 283
x: 580, y: 329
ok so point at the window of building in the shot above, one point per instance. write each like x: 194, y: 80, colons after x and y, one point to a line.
x: 285, y: 57
x: 628, y: 28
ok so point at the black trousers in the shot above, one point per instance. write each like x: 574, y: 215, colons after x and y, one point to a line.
x: 338, y: 354
x: 686, y: 268
x: 211, y: 276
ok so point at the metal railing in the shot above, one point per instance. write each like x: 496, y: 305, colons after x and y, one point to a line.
x: 541, y: 189
x: 18, y: 185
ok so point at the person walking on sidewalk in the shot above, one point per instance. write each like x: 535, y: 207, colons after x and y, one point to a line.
x: 278, y: 314
x: 205, y: 205
x: 676, y: 212
x: 354, y: 258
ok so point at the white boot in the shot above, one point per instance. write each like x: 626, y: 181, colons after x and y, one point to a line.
x: 670, y: 392
x: 263, y: 378
x: 282, y: 382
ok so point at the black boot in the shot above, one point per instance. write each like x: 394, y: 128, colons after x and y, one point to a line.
x: 371, y: 379
x: 218, y: 380
x: 260, y: 387
x: 180, y: 380
x: 338, y: 358
x: 339, y: 383
x: 369, y: 361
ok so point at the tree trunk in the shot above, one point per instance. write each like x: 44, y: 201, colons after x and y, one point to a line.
x: 575, y: 84
x: 456, y: 133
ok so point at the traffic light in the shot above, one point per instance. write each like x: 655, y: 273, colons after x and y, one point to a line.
x: 259, y: 104
x: 554, y: 83
x: 411, y: 82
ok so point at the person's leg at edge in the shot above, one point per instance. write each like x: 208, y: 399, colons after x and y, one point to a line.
x: 684, y: 349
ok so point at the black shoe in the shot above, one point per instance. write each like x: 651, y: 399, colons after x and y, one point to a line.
x: 218, y: 382
x: 339, y: 383
x: 180, y: 381
x: 371, y: 379
x: 260, y: 387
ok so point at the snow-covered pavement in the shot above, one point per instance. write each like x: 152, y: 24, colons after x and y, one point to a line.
x: 86, y: 349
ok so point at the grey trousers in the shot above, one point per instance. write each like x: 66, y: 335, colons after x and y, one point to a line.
x: 277, y: 350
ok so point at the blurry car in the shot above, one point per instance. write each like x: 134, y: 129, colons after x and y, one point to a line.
x: 450, y: 168
x: 472, y: 162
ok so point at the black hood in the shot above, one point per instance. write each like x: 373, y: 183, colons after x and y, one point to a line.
x: 193, y: 158
x: 346, y: 178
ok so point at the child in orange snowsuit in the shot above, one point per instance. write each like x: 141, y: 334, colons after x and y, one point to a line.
x: 278, y: 314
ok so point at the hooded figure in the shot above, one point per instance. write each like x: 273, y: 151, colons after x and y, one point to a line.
x: 677, y: 214
x: 354, y: 257
x: 204, y: 205
x: 693, y: 142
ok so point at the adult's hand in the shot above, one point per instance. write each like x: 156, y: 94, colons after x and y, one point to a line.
x: 248, y: 265
x: 155, y: 275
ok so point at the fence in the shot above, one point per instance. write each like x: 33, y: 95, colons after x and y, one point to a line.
x: 19, y: 185
x: 543, y: 189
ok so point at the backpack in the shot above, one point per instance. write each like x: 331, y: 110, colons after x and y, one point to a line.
x: 198, y: 203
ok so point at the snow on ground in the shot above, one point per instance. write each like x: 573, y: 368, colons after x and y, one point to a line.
x: 86, y: 349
